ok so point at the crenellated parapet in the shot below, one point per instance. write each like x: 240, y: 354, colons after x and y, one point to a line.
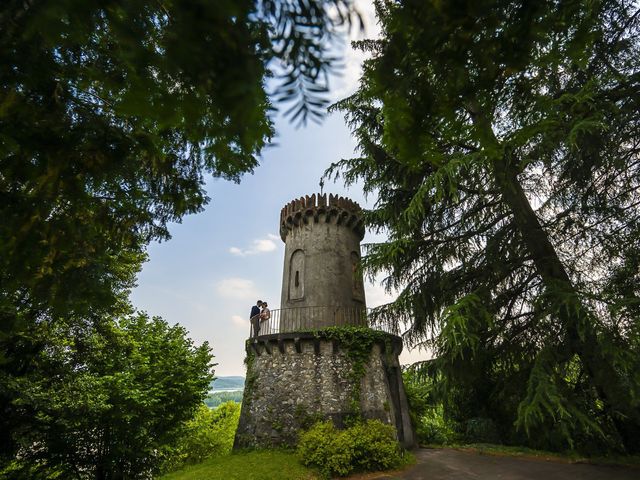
x: 297, y: 379
x: 321, y: 208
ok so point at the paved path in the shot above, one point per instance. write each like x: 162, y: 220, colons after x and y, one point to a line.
x: 448, y: 464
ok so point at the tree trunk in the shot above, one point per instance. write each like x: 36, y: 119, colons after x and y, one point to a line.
x: 579, y: 323
x: 582, y: 336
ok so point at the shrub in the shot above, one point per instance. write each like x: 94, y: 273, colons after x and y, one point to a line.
x: 210, y: 433
x: 365, y: 446
x: 426, y: 410
x: 432, y: 428
x: 102, y: 401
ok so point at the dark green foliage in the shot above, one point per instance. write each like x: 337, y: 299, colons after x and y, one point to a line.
x: 106, y: 399
x: 363, y: 447
x: 433, y: 429
x: 209, y: 433
x: 501, y: 140
x: 111, y: 114
x: 481, y: 430
x: 426, y: 411
x: 419, y: 394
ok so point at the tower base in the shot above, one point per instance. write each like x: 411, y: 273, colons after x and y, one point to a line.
x: 296, y: 379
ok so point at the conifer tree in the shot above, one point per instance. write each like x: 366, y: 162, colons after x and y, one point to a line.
x: 501, y: 140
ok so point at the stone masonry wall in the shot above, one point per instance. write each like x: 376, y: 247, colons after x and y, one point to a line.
x: 293, y: 382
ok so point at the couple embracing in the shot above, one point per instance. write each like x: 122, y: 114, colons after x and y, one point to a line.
x: 259, y: 314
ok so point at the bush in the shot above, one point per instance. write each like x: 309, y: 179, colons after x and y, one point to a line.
x: 101, y: 402
x: 365, y: 446
x: 210, y: 433
x: 432, y: 428
x: 426, y: 411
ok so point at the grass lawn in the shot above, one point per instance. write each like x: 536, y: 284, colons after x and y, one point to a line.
x: 258, y: 465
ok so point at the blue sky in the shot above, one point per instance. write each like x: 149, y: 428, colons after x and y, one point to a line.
x: 220, y: 261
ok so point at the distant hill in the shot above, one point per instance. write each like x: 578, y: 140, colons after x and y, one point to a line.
x: 214, y: 399
x: 228, y: 383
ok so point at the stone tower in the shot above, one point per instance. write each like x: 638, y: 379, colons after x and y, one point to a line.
x: 300, y: 370
x: 321, y: 263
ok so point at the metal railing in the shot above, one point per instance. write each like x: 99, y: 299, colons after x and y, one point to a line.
x: 303, y: 319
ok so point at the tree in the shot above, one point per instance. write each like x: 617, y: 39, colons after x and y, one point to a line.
x: 502, y: 142
x: 111, y: 113
x: 109, y: 398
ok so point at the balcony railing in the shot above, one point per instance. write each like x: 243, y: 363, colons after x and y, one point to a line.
x: 303, y: 319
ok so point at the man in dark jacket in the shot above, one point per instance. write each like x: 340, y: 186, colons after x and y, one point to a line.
x: 254, y: 317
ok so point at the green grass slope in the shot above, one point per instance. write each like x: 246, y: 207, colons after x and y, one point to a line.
x: 250, y: 465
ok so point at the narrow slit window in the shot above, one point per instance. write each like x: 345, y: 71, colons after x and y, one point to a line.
x: 356, y: 276
x: 296, y: 276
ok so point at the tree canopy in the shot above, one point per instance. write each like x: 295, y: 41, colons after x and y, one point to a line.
x: 107, y: 399
x: 111, y: 114
x: 501, y: 140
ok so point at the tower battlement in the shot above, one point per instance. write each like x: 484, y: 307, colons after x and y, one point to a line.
x: 321, y: 208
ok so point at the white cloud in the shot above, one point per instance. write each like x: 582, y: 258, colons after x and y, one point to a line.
x: 240, y: 321
x: 408, y: 356
x: 237, y: 288
x: 376, y: 295
x: 259, y: 245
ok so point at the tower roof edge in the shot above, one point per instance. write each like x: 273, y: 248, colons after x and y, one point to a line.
x: 310, y: 207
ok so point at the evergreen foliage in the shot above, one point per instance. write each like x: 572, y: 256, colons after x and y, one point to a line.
x: 110, y: 115
x: 426, y: 411
x: 501, y: 140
